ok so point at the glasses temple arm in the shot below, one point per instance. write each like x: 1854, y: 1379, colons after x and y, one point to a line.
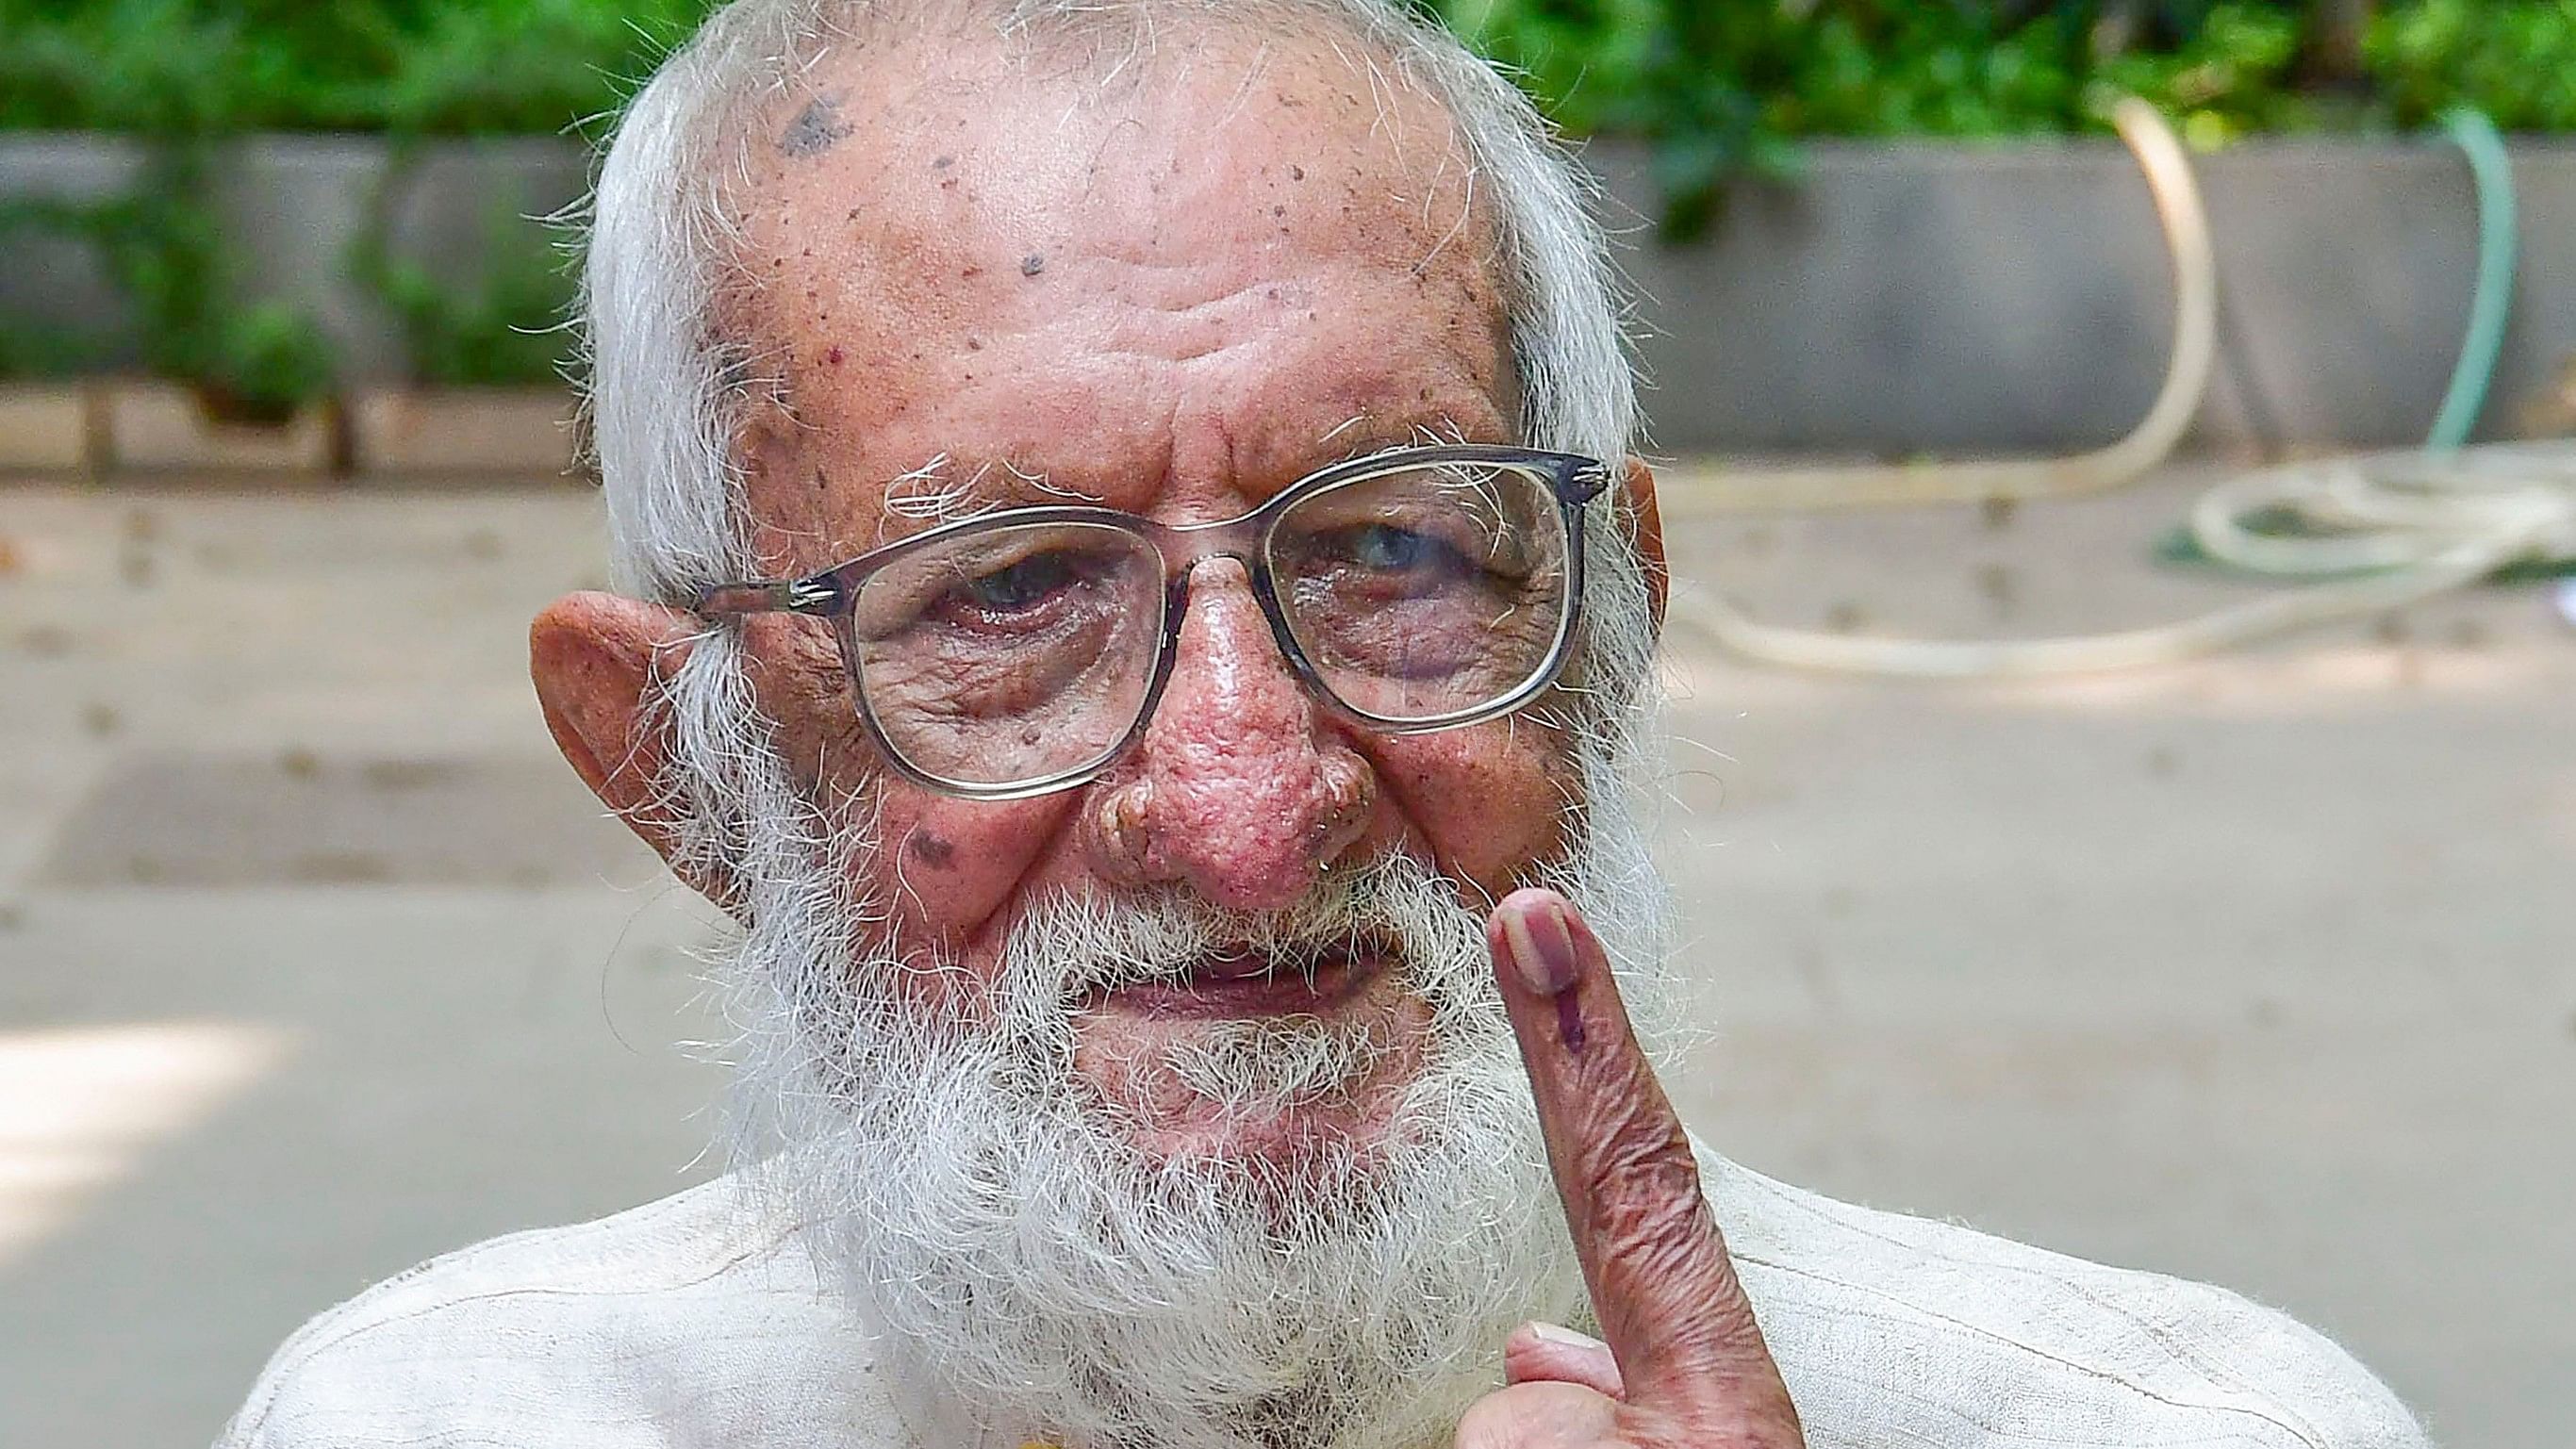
x: 769, y: 596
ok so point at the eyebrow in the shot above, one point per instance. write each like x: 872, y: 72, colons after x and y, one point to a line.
x: 935, y: 492
x: 1370, y: 436
x: 1344, y: 426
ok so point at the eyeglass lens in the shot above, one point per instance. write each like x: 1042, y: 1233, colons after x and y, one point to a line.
x: 1018, y: 653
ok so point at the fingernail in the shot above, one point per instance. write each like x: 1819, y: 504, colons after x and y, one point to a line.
x: 1564, y: 1337
x: 1542, y: 947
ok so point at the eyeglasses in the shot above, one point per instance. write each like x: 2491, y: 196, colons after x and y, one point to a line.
x: 1023, y: 651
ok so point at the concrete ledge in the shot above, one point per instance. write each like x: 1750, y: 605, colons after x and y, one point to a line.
x: 394, y: 434
x: 439, y: 432
x: 161, y: 427
x: 44, y: 428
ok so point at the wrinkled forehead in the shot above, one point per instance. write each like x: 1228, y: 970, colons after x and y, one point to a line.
x: 1203, y: 266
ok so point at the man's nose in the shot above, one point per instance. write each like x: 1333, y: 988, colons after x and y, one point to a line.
x: 1237, y: 788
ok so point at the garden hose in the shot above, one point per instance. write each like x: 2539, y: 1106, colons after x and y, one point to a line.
x: 2380, y: 531
x: 2492, y: 302
x: 2195, y: 343
x: 2395, y: 510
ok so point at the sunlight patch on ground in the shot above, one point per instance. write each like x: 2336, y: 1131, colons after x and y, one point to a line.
x: 80, y: 1106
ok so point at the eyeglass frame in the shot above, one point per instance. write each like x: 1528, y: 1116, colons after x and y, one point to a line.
x: 833, y: 594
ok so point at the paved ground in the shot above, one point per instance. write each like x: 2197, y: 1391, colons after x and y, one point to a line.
x: 313, y: 962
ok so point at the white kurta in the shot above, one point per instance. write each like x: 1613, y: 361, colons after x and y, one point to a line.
x: 694, y: 1321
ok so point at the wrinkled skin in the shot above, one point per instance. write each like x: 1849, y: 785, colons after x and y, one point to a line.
x: 1175, y: 298
x: 1176, y: 301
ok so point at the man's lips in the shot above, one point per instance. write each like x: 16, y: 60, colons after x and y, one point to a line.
x: 1243, y: 982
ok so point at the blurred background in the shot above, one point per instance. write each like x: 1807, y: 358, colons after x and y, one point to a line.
x: 2225, y: 930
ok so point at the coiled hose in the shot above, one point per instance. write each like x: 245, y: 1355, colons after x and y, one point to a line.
x: 2373, y: 533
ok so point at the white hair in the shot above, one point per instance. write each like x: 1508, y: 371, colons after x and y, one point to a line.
x: 1019, y: 1263
x: 668, y: 385
x: 1024, y: 1274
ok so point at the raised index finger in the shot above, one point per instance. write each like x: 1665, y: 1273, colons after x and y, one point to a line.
x: 1665, y: 1291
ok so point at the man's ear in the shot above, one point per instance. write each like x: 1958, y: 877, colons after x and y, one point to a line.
x: 1646, y: 532
x: 598, y: 661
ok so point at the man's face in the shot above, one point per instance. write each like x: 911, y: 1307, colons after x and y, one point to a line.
x: 981, y: 286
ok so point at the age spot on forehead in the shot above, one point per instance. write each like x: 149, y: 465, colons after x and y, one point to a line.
x: 815, y: 128
x: 1162, y: 292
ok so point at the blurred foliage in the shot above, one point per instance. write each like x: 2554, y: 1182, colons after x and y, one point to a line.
x: 429, y: 67
x: 505, y: 328
x: 250, y: 359
x: 504, y: 324
x: 29, y: 352
x: 1744, y: 75
x: 2513, y: 59
x: 42, y: 348
x: 188, y: 72
x: 1723, y: 89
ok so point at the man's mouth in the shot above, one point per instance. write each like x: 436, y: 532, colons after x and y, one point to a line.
x: 1245, y: 981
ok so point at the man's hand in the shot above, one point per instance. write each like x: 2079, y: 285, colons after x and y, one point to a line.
x: 1685, y: 1366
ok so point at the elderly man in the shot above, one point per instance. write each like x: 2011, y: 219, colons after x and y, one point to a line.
x: 1136, y: 599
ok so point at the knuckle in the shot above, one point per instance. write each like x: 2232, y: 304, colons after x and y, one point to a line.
x: 1639, y: 1174
x: 1721, y: 1344
x: 1650, y: 1212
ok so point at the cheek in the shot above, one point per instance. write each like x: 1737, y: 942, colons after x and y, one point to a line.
x: 947, y: 868
x: 803, y: 688
x: 940, y: 867
x: 1489, y: 800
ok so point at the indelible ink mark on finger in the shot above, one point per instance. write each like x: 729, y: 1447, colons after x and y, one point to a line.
x: 1569, y: 1021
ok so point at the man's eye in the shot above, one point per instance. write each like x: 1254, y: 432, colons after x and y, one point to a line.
x: 1396, y: 550
x: 1022, y: 586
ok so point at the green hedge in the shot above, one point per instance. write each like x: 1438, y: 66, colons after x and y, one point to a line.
x: 1739, y: 73
x: 1725, y: 87
x: 436, y: 67
x: 1722, y: 88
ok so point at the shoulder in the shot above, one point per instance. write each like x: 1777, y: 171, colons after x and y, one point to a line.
x: 630, y: 1327
x: 1970, y: 1339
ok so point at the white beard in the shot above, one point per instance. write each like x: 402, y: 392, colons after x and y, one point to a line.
x: 1028, y: 1274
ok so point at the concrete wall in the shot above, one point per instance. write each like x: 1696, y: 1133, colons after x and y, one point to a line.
x: 296, y: 205
x: 1937, y: 297
x: 49, y: 280
x: 1895, y: 298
